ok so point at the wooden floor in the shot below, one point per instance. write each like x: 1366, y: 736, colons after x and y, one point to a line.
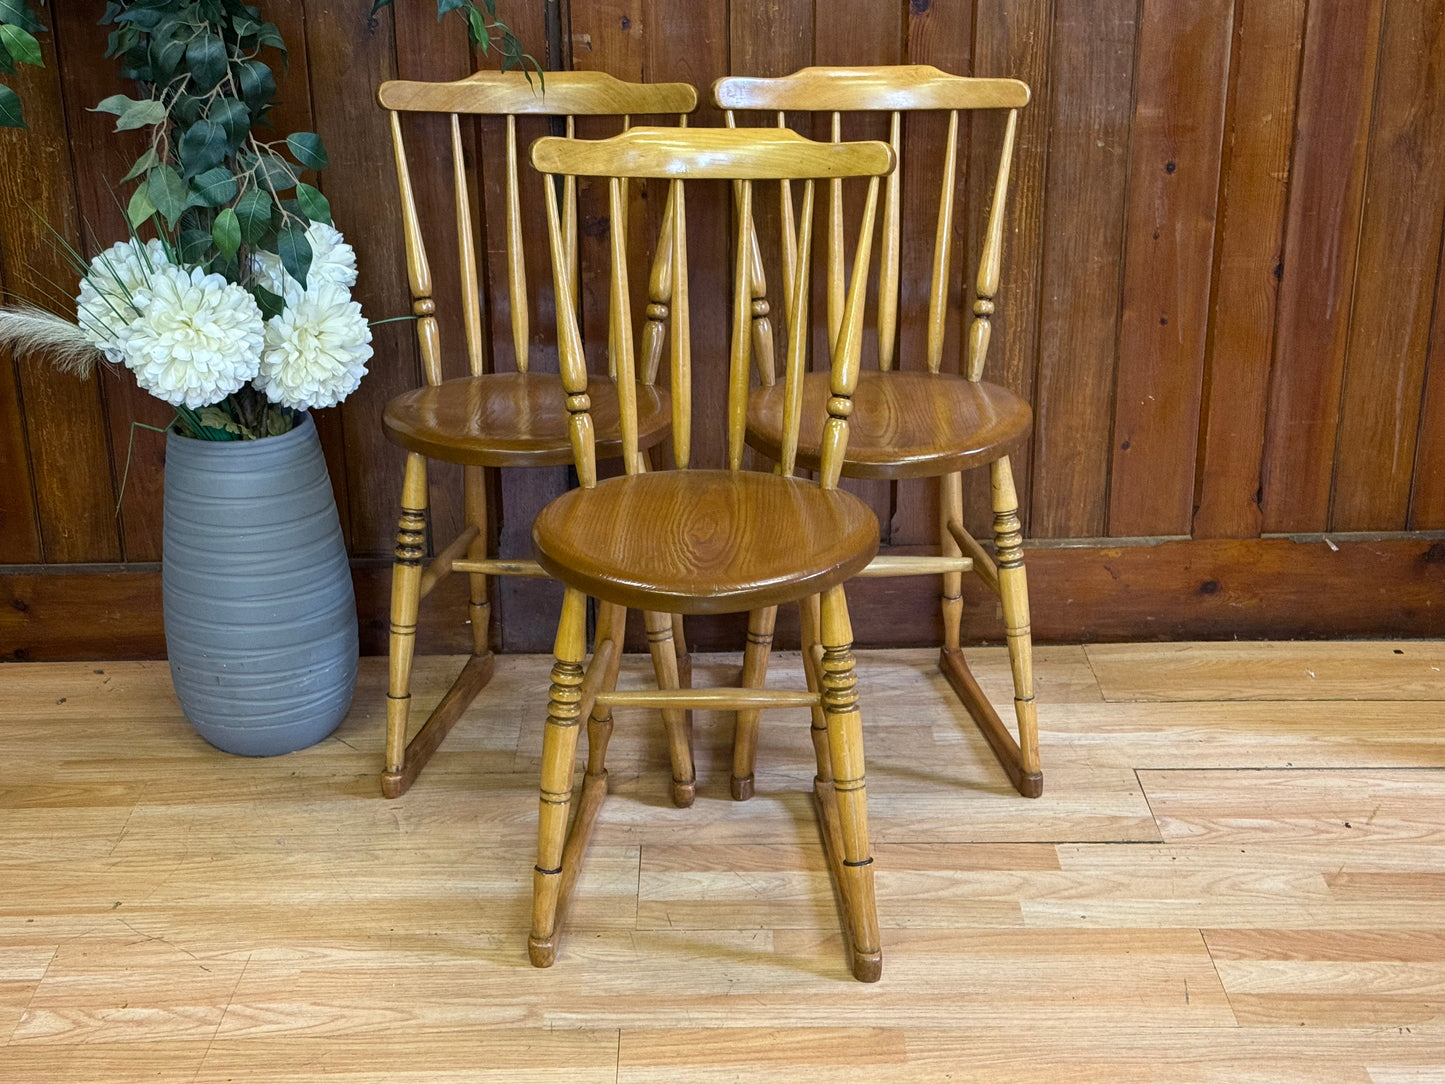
x: 1236, y: 873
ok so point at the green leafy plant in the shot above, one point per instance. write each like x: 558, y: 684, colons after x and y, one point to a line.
x: 20, y: 23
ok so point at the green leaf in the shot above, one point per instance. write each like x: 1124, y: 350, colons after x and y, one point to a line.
x: 444, y: 6
x: 206, y: 58
x: 141, y: 208
x: 477, y: 29
x: 258, y: 85
x: 202, y: 147
x: 166, y: 54
x: 215, y: 187
x: 295, y: 252
x: 193, y: 246
x: 271, y: 305
x: 253, y: 212
x: 277, y: 173
x: 269, y: 35
x: 116, y: 103
x: 148, y: 160
x: 21, y: 45
x: 226, y: 231
x: 233, y: 117
x: 141, y: 115
x: 217, y: 418
x: 13, y: 11
x: 6, y: 64
x: 167, y: 192
x: 313, y: 204
x: 308, y: 149
x: 379, y: 5
x: 11, y: 115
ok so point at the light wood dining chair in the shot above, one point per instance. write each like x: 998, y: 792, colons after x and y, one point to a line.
x: 695, y: 541
x: 494, y: 419
x: 921, y: 422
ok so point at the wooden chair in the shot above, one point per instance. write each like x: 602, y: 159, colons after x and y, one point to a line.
x: 920, y: 423
x: 495, y: 419
x: 697, y: 541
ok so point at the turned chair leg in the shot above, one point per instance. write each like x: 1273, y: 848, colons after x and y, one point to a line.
x: 755, y: 673
x: 1014, y: 596
x: 661, y: 643
x: 479, y: 604
x: 844, y: 798
x: 559, y: 756
x: 405, y: 605
x: 1019, y: 757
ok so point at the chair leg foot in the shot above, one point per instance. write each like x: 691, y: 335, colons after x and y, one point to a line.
x: 1030, y: 784
x: 742, y: 787
x: 867, y: 966
x: 541, y: 951
x: 684, y: 791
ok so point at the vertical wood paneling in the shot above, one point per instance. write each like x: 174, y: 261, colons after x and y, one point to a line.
x: 1092, y: 78
x: 1169, y: 241
x: 64, y: 424
x: 19, y: 531
x: 1012, y: 40
x: 1265, y: 82
x: 1427, y: 502
x: 361, y: 185
x: 1394, y: 291
x: 1322, y: 229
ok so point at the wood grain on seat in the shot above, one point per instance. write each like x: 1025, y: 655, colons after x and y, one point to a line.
x: 513, y: 420
x: 702, y: 542
x: 904, y: 424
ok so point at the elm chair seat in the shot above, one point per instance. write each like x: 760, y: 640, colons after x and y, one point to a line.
x: 897, y: 420
x: 513, y: 420
x: 729, y: 542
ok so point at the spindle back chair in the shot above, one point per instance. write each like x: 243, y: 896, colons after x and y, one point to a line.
x: 492, y: 419
x: 706, y: 541
x: 925, y: 421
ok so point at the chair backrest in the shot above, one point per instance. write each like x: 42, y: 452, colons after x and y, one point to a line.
x: 896, y: 90
x: 509, y: 95
x: 682, y: 155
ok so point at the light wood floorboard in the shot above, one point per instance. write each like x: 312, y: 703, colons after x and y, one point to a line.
x: 1236, y: 874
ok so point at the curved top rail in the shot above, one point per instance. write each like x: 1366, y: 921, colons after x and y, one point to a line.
x: 895, y: 87
x: 565, y: 93
x: 716, y: 153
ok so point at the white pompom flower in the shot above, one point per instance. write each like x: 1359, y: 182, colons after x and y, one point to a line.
x: 316, y: 349
x: 106, y: 302
x: 196, y: 338
x: 332, y: 260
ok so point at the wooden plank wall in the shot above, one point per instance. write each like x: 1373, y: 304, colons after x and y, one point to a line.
x: 1222, y: 294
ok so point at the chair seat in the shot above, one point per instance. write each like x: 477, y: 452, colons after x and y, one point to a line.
x: 514, y: 420
x: 904, y: 424
x: 704, y: 541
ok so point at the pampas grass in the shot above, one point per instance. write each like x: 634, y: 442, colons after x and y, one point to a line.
x: 26, y: 329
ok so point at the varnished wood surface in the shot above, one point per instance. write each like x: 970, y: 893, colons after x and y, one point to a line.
x: 513, y: 420
x: 726, y: 153
x: 904, y: 425
x: 171, y: 913
x: 698, y: 542
x: 555, y: 93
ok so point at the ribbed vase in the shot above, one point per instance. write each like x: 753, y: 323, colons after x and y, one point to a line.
x: 260, y: 615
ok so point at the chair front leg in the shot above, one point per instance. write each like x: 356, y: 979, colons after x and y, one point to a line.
x: 405, y: 605
x: 559, y: 762
x: 1014, y: 596
x: 849, y: 793
x: 660, y: 642
x: 479, y: 605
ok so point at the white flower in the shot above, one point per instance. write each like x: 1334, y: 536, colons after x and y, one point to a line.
x: 332, y: 260
x: 106, y: 302
x: 316, y: 349
x: 196, y: 338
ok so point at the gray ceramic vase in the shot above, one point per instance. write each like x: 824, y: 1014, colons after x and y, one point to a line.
x: 260, y: 615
